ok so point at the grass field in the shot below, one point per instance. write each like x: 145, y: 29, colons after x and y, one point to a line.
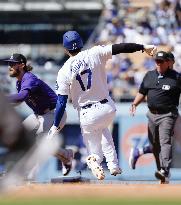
x: 93, y: 194
x: 88, y: 201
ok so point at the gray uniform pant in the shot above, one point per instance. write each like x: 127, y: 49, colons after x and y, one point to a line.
x: 160, y: 133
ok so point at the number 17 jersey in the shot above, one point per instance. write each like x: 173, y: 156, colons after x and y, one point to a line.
x: 83, y: 76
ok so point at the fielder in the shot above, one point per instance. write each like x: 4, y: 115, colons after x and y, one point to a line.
x: 83, y: 77
x: 41, y: 99
x: 136, y: 153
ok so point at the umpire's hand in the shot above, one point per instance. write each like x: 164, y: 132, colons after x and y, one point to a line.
x: 132, y: 109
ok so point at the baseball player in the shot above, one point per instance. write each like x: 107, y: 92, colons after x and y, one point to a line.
x: 41, y: 99
x: 19, y: 150
x: 136, y: 153
x: 83, y: 77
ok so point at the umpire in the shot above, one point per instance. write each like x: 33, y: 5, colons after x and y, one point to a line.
x: 162, y: 87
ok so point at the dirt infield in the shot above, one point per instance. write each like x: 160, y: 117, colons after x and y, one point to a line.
x: 78, y: 190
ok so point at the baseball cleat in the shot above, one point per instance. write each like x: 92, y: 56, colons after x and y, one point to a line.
x: 115, y: 171
x: 67, y: 163
x: 162, y: 176
x: 96, y: 168
x: 133, y: 157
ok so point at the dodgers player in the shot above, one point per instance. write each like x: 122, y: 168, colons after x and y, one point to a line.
x: 41, y: 99
x: 83, y: 77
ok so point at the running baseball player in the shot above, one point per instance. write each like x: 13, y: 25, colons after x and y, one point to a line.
x: 83, y: 77
x: 41, y: 99
x: 136, y: 153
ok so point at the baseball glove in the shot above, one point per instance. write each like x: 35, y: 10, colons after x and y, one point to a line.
x: 150, y: 49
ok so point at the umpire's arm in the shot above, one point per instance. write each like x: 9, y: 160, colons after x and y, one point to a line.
x: 140, y: 96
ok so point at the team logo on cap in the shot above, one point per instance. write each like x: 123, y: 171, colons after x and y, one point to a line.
x: 74, y: 45
x: 160, y: 54
x: 11, y: 57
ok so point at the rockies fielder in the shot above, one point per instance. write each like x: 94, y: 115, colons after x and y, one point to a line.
x: 83, y: 77
x: 40, y: 98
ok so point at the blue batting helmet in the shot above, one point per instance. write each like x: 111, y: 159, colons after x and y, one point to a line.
x: 72, y: 41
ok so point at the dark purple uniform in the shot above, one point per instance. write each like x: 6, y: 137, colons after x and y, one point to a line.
x: 40, y: 96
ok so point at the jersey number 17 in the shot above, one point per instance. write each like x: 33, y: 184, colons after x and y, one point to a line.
x: 89, y: 79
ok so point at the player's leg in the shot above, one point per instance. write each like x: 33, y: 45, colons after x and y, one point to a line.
x: 93, y: 121
x: 31, y: 123
x: 136, y: 153
x: 65, y: 155
x: 92, y: 141
x: 109, y: 152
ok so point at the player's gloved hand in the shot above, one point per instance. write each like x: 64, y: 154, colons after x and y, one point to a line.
x: 53, y: 132
x: 150, y: 49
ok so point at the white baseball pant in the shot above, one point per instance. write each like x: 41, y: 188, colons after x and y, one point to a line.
x: 96, y: 135
x: 42, y: 123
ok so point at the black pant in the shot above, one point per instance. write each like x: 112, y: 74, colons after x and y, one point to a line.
x: 160, y: 132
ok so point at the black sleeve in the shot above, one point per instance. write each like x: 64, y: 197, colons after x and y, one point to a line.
x: 126, y: 48
x: 143, y: 88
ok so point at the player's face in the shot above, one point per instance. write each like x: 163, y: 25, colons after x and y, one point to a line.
x: 13, y: 69
x: 162, y: 65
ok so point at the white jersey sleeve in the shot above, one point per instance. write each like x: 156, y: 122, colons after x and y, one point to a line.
x: 103, y: 52
x: 62, y: 83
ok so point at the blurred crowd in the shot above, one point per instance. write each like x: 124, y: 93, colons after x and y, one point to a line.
x: 155, y: 22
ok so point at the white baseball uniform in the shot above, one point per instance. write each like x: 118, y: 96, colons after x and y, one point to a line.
x: 83, y: 77
x: 39, y: 125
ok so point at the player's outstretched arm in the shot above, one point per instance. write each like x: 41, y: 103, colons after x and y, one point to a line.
x: 133, y: 47
x: 18, y: 97
x: 60, y: 109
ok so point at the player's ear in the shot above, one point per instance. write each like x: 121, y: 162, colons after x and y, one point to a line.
x: 22, y: 65
x: 66, y: 52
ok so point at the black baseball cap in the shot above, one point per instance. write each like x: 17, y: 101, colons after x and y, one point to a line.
x: 171, y: 56
x: 162, y: 55
x: 16, y: 58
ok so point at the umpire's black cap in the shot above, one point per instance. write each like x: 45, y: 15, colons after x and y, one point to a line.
x: 162, y: 55
x: 171, y: 56
x: 16, y: 58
